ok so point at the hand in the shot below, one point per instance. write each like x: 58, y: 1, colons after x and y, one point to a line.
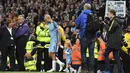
x: 66, y: 52
x: 59, y: 43
x: 28, y: 55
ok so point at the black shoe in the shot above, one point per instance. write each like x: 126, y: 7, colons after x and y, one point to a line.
x: 91, y: 72
x: 84, y: 71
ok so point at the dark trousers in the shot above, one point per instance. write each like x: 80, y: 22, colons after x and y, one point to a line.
x: 125, y: 61
x: 87, y: 43
x: 116, y: 57
x: 20, y: 51
x: 7, y: 51
x: 40, y: 52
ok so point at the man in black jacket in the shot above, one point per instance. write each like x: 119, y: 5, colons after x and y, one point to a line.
x: 114, y: 39
x: 7, y: 45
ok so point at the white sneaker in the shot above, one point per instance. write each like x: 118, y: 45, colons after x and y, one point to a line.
x: 73, y: 71
x: 52, y: 70
x: 99, y: 71
x: 61, y: 67
x: 65, y: 70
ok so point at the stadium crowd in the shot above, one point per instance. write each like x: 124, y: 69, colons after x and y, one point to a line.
x: 29, y: 28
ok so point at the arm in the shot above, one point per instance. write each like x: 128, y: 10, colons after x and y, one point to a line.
x: 33, y: 51
x: 68, y: 52
x: 59, y: 33
x: 78, y: 22
x: 40, y: 31
x: 21, y: 31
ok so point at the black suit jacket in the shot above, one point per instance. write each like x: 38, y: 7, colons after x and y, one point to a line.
x: 5, y: 37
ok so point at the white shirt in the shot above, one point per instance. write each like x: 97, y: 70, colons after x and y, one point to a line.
x: 10, y: 30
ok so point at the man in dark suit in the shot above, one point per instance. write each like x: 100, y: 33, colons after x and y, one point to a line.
x: 7, y: 45
x: 21, y: 38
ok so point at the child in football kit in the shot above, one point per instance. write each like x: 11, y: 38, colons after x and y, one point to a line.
x: 68, y: 54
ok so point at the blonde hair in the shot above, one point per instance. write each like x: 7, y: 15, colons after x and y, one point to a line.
x: 68, y: 42
x: 47, y: 16
x: 87, y: 6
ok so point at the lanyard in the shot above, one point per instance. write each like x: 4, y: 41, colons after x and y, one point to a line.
x: 111, y: 25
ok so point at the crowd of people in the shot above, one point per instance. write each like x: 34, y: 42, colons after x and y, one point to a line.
x: 54, y: 32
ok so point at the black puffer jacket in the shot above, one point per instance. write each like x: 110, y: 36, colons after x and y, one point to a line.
x: 114, y: 35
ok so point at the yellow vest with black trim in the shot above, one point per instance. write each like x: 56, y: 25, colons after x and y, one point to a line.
x: 95, y: 51
x: 127, y: 39
x: 31, y: 64
x: 43, y: 35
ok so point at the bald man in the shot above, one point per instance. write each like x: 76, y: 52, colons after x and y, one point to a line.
x: 21, y: 37
x: 87, y: 39
x: 55, y: 40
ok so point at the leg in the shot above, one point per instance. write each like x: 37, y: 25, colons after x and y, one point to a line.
x: 126, y: 66
x: 39, y: 58
x: 60, y: 54
x: 53, y: 56
x: 11, y: 57
x: 52, y: 53
x: 20, y: 57
x: 118, y: 61
x: 46, y: 59
x: 107, y: 51
x: 20, y: 51
x: 91, y: 55
x: 61, y: 64
x: 84, y: 44
x: 4, y: 53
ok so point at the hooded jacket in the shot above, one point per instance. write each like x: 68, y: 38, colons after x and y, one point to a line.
x: 81, y: 21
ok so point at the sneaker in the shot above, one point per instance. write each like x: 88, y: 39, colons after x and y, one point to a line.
x: 91, y: 72
x: 61, y: 67
x: 99, y: 71
x: 73, y: 71
x: 52, y: 70
x: 65, y: 70
x: 84, y: 71
x: 105, y: 72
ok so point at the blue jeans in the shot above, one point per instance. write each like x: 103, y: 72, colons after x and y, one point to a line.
x: 87, y: 43
x: 116, y: 57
